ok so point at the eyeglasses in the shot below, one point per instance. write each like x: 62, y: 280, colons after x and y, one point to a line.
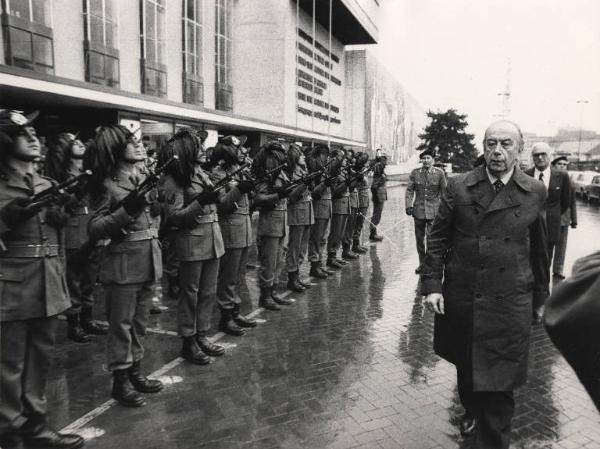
x: 539, y: 155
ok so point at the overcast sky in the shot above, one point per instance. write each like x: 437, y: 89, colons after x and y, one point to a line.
x: 455, y: 54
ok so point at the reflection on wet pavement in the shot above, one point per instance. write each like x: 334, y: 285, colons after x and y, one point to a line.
x: 349, y: 364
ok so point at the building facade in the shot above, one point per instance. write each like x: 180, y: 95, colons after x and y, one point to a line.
x: 265, y: 68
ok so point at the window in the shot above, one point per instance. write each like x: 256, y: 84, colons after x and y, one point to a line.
x: 27, y: 28
x: 192, y: 51
x: 101, y: 55
x: 153, y: 64
x: 223, y: 55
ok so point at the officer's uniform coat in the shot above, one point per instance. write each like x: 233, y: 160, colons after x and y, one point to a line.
x: 425, y: 189
x: 491, y: 252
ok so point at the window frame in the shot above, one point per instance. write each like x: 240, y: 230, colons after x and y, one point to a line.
x: 153, y: 68
x: 193, y: 80
x: 102, y: 49
x: 223, y: 39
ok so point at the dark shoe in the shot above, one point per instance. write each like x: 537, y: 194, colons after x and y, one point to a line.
x: 89, y: 325
x: 557, y: 276
x: 375, y: 238
x: 49, y: 439
x: 192, y: 353
x: 74, y: 330
x: 347, y: 255
x: 467, y: 425
x: 317, y: 272
x: 11, y: 441
x: 265, y: 301
x: 342, y: 262
x: 334, y: 263
x: 140, y: 382
x: 293, y: 283
x: 173, y: 289
x: 208, y: 347
x: 304, y: 284
x: 228, y: 325
x: 240, y: 319
x: 358, y: 248
x: 123, y: 392
x: 280, y: 300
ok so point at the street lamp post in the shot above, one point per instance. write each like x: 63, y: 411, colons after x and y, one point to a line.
x: 580, y: 102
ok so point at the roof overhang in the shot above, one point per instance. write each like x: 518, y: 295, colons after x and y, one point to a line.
x: 351, y: 25
x: 33, y: 88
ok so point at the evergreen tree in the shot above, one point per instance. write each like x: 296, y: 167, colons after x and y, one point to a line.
x: 446, y: 135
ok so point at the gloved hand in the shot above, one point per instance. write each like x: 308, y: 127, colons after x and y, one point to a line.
x: 56, y: 217
x: 18, y: 211
x: 245, y: 186
x: 207, y: 197
x: 134, y: 203
x: 409, y: 211
x: 155, y: 209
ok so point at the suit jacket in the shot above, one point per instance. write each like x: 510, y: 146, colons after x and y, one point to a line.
x: 559, y: 199
x: 426, y: 189
x: 569, y: 217
x: 487, y: 253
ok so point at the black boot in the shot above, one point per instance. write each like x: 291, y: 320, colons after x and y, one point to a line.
x: 173, y: 288
x: 347, y: 254
x: 192, y: 352
x: 374, y: 237
x: 358, y: 248
x: 11, y: 441
x: 240, y: 319
x: 74, y: 330
x: 317, y: 272
x: 265, y: 301
x: 228, y: 325
x: 208, y: 347
x: 293, y: 283
x: 140, y: 382
x: 123, y: 392
x: 306, y: 285
x: 44, y: 437
x: 332, y: 262
x: 278, y: 299
x: 89, y: 325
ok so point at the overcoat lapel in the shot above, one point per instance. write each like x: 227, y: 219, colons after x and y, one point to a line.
x: 506, y: 198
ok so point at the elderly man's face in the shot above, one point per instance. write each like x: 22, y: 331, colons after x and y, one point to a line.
x: 501, y: 145
x: 541, y: 158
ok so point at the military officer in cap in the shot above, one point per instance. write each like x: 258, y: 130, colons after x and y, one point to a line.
x: 340, y: 208
x: 127, y: 223
x: 236, y: 228
x: 378, y: 193
x: 317, y: 160
x: 33, y: 289
x: 422, y: 199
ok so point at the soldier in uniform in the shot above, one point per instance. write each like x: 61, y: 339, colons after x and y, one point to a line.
x: 422, y: 199
x: 340, y: 209
x: 128, y: 222
x: 33, y: 289
x: 300, y: 218
x: 348, y: 252
x: 362, y: 159
x: 321, y: 194
x: 64, y: 160
x: 236, y: 227
x: 271, y: 201
x: 191, y: 206
x: 379, y: 194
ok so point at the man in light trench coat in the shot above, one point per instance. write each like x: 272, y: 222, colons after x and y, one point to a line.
x: 487, y: 259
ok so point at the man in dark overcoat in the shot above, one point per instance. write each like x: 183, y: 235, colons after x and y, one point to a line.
x: 486, y: 260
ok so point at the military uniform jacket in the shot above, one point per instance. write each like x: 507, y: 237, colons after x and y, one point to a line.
x: 272, y: 217
x: 234, y: 215
x: 425, y: 187
x: 299, y: 205
x: 132, y: 254
x: 491, y: 251
x: 198, y: 235
x: 32, y: 274
x: 76, y: 231
x: 363, y: 193
x: 341, y: 196
x: 378, y: 188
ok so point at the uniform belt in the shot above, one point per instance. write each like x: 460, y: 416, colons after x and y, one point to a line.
x: 33, y: 251
x: 210, y: 218
x: 81, y: 210
x: 136, y: 236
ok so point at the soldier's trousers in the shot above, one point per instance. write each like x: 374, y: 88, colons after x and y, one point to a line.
x: 231, y: 270
x: 558, y: 263
x: 81, y: 278
x: 197, y: 296
x: 350, y: 225
x: 270, y: 254
x: 127, y: 310
x: 26, y: 350
x: 361, y: 215
x: 422, y: 228
x: 297, y: 248
x: 336, y: 232
x: 317, y: 239
x: 377, y: 211
x: 170, y: 261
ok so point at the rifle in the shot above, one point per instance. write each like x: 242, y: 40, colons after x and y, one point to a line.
x: 67, y: 186
x: 363, y: 172
x: 269, y: 173
x: 230, y: 176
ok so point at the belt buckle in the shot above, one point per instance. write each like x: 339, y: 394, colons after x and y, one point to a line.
x: 85, y: 210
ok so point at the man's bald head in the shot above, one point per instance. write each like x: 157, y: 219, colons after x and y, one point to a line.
x: 541, y: 153
x: 502, y: 144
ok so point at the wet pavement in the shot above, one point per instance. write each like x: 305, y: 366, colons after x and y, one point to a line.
x: 349, y: 364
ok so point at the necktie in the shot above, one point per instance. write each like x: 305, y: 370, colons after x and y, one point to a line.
x: 498, y: 185
x: 541, y: 178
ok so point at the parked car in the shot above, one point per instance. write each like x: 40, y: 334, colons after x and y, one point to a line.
x: 592, y: 190
x: 582, y: 179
